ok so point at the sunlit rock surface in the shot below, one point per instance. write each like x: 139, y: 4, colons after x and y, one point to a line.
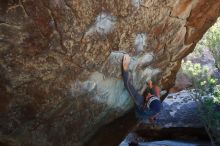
x: 60, y: 64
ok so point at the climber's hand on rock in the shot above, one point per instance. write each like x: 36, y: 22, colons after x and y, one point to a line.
x: 126, y: 61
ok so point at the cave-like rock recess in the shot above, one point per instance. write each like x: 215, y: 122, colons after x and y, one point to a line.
x: 60, y: 61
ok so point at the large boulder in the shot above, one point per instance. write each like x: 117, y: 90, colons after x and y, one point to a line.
x: 180, y: 110
x: 60, y: 64
x: 178, y: 120
x: 205, y: 59
x: 178, y: 124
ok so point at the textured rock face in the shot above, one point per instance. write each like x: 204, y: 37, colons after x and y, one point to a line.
x: 179, y: 110
x: 60, y: 73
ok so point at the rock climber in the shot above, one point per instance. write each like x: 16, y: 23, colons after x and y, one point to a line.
x: 147, y: 105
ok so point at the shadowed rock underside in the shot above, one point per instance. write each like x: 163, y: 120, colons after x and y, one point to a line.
x: 60, y: 61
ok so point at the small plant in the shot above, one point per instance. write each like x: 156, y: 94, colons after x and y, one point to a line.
x: 211, y: 40
x: 206, y: 93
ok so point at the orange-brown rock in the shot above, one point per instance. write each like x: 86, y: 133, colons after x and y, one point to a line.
x: 60, y: 61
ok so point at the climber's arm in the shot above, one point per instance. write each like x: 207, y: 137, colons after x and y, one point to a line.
x: 143, y: 89
x: 138, y: 99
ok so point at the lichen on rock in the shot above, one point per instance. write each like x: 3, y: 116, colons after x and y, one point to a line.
x: 60, y: 64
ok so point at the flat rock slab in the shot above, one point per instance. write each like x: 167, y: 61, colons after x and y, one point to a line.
x: 179, y: 110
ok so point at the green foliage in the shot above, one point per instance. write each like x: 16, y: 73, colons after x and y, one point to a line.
x: 207, y: 94
x: 211, y: 40
x: 217, y: 94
